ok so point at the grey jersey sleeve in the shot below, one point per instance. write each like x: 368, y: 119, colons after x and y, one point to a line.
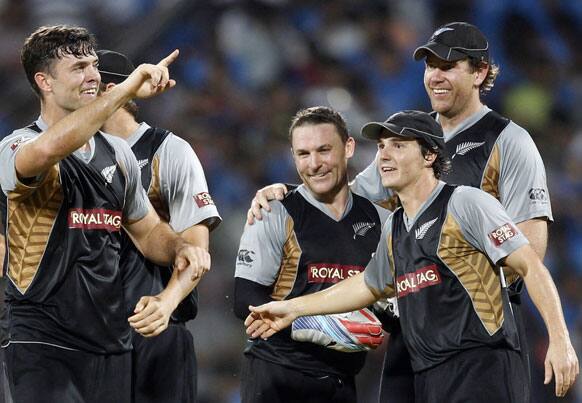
x: 183, y: 186
x: 378, y: 273
x: 523, y: 187
x: 368, y: 184
x: 8, y: 149
x: 261, y: 247
x: 484, y: 223
x: 137, y: 203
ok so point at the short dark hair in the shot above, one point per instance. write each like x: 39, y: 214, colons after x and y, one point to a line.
x: 442, y: 163
x: 319, y: 115
x: 48, y: 43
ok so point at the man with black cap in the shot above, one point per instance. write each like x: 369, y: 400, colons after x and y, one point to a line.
x: 163, y: 367
x: 440, y: 254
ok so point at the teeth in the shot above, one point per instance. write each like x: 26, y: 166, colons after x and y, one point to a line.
x: 91, y: 91
x: 439, y: 91
x: 387, y: 169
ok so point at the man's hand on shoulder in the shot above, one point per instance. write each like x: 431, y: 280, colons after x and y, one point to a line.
x: 261, y: 200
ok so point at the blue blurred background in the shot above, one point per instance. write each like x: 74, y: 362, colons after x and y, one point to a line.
x: 247, y: 66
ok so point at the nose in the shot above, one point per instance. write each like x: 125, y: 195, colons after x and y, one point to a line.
x: 384, y: 154
x: 92, y: 73
x: 315, y: 161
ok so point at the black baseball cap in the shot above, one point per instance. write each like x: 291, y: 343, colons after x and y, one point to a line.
x: 456, y: 41
x: 415, y: 124
x: 114, y: 66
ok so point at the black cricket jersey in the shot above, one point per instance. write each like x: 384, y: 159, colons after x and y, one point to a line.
x: 319, y: 252
x: 140, y: 276
x: 449, y: 296
x: 64, y: 242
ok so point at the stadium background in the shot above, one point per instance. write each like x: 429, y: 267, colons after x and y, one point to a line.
x: 246, y: 67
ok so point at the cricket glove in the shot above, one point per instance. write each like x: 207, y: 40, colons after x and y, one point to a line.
x: 347, y: 332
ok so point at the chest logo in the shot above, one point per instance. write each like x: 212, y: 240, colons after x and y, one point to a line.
x: 362, y: 228
x: 108, y: 173
x: 421, y: 231
x: 465, y: 147
x: 142, y: 163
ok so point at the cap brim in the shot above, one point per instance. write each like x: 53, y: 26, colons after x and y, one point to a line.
x: 373, y: 130
x: 439, y: 50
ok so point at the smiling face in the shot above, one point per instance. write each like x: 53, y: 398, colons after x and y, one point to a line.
x: 453, y: 87
x: 71, y: 82
x: 321, y: 158
x: 401, y: 163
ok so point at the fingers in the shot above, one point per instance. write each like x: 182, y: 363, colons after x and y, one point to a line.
x: 166, y: 61
x: 251, y: 217
x: 150, y: 320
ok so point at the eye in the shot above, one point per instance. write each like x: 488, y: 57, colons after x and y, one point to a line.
x: 381, y: 146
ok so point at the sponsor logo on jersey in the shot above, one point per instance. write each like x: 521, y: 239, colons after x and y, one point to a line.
x: 362, y: 228
x: 502, y: 234
x: 421, y: 231
x: 108, y: 220
x: 245, y: 257
x: 14, y: 146
x: 538, y: 194
x: 465, y: 147
x: 331, y: 272
x: 108, y: 172
x: 203, y: 199
x: 142, y: 163
x: 414, y: 282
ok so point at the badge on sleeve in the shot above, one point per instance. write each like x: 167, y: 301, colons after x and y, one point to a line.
x: 203, y: 199
x: 502, y: 234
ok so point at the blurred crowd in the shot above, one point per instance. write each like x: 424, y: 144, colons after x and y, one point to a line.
x: 246, y: 67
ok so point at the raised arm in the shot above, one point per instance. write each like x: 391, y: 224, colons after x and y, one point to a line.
x: 74, y: 130
x: 561, y: 359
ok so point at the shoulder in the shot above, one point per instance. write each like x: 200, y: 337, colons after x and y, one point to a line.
x: 515, y: 136
x: 469, y: 194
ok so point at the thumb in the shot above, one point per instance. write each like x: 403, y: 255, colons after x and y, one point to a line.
x: 180, y: 263
x: 547, y: 371
x: 141, y: 304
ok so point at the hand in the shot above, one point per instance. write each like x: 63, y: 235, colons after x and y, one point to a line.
x: 561, y: 359
x: 192, y: 258
x: 261, y: 200
x: 267, y: 319
x: 148, y: 80
x: 346, y: 332
x: 152, y: 314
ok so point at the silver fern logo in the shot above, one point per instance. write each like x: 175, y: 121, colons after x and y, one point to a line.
x: 108, y: 172
x: 465, y: 147
x: 142, y: 163
x: 362, y: 228
x: 421, y: 231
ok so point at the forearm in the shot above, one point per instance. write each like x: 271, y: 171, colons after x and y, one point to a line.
x: 345, y: 296
x: 544, y: 295
x: 67, y: 135
x: 161, y: 244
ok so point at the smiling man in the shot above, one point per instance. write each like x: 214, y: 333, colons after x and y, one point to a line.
x: 69, y: 190
x: 440, y: 253
x: 320, y: 234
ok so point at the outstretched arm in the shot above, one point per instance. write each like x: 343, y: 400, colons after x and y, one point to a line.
x: 561, y: 359
x: 348, y: 295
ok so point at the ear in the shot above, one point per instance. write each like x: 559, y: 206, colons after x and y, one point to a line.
x: 109, y: 86
x: 43, y: 81
x: 350, y: 147
x: 481, y: 74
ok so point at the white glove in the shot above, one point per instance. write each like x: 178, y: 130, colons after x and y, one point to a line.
x: 347, y: 332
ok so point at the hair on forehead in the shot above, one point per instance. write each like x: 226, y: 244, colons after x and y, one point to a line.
x: 320, y: 115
